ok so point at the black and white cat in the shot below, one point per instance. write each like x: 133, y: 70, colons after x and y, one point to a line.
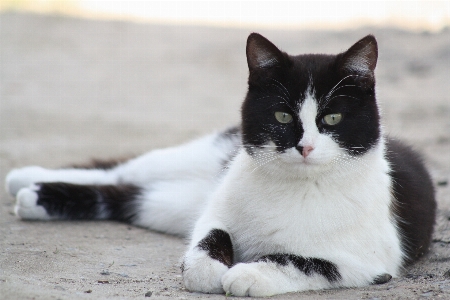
x: 306, y: 194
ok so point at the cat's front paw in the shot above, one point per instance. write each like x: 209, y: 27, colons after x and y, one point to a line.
x: 27, y: 206
x: 24, y: 177
x: 248, y: 280
x: 201, y: 273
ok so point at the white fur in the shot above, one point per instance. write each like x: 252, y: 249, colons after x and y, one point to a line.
x: 202, y: 273
x: 20, y: 178
x: 261, y: 279
x: 27, y: 207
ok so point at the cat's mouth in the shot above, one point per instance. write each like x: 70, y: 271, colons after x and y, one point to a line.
x: 298, y: 156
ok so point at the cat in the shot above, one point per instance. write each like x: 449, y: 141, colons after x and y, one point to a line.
x: 306, y: 193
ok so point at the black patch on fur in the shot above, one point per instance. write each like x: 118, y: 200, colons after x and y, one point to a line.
x: 415, y: 205
x: 232, y: 133
x: 282, y: 86
x: 101, y: 164
x: 89, y: 202
x: 219, y: 247
x: 382, y: 279
x: 307, y: 265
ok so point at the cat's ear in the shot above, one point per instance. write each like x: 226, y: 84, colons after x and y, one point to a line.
x: 361, y: 58
x: 261, y: 53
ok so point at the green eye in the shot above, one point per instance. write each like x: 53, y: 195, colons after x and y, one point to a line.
x: 283, y: 117
x: 332, y: 119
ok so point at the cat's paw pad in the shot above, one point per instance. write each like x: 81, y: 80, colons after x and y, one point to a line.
x: 21, y: 178
x: 248, y: 280
x: 27, y: 207
x: 201, y: 273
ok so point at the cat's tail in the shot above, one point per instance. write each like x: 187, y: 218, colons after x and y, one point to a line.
x: 57, y: 200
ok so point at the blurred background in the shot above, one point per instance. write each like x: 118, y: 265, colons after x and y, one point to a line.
x: 86, y: 78
x: 92, y: 78
x: 336, y: 15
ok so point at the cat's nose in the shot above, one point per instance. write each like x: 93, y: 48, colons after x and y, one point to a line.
x: 305, y: 151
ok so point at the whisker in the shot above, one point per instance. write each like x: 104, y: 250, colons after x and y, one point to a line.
x: 285, y: 101
x: 341, y: 87
x: 334, y: 87
x: 285, y: 90
x: 343, y: 96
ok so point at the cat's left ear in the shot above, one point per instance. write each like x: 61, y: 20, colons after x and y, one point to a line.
x: 261, y: 53
x: 361, y: 58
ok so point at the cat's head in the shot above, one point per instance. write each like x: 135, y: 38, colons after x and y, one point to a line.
x: 310, y: 110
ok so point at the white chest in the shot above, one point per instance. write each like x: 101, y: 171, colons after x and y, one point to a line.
x: 319, y: 218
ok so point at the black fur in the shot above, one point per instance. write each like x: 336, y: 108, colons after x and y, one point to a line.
x: 415, y: 207
x: 282, y: 84
x: 219, y: 247
x: 88, y: 202
x: 382, y: 279
x: 307, y: 265
x: 101, y: 164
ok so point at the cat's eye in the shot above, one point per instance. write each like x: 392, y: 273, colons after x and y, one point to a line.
x: 283, y: 117
x: 332, y: 119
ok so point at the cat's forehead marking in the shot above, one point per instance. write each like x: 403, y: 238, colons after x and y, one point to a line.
x: 309, y: 92
x: 308, y: 111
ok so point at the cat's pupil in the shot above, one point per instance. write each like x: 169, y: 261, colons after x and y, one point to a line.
x: 332, y: 119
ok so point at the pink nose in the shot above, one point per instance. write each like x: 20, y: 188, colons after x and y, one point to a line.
x: 306, y: 151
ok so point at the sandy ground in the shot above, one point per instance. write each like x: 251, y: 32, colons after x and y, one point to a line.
x: 75, y: 89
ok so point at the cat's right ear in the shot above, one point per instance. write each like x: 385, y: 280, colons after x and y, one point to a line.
x: 361, y: 58
x: 261, y: 53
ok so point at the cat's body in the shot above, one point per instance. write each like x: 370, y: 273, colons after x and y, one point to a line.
x: 306, y: 194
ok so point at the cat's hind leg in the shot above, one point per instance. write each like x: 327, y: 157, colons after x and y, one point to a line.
x: 24, y: 177
x: 46, y: 201
x: 174, y: 185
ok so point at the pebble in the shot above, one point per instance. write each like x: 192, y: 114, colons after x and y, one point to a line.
x: 427, y: 294
x: 105, y: 272
x: 149, y: 294
x: 442, y: 183
x: 447, y: 274
x: 445, y: 287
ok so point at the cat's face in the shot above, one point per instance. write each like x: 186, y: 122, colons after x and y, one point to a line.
x: 310, y: 110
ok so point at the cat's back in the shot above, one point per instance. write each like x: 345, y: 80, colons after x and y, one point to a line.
x: 414, y: 204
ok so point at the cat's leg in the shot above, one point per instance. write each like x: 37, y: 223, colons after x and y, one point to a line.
x: 201, y: 158
x: 283, y: 273
x: 24, y: 177
x: 279, y: 274
x: 173, y: 185
x: 47, y: 201
x: 166, y: 206
x: 209, y: 257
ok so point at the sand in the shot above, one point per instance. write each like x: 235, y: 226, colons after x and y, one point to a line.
x: 73, y: 89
